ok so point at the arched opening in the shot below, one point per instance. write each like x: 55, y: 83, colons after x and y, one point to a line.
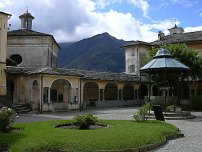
x: 17, y: 58
x: 111, y: 91
x: 143, y: 91
x: 155, y: 90
x: 91, y: 93
x: 128, y: 92
x: 35, y: 84
x: 60, y: 91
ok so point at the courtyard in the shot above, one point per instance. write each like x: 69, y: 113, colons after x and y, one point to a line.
x: 191, y: 128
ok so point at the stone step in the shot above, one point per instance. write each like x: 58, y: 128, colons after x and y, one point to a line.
x: 21, y: 108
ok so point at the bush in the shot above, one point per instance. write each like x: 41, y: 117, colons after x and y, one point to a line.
x: 6, y: 118
x: 84, y: 121
x: 142, y: 113
x: 196, y: 103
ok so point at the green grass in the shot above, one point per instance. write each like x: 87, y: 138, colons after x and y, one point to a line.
x: 43, y: 136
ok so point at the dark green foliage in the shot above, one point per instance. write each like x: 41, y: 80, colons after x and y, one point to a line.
x: 98, y: 53
x: 84, y: 121
x: 196, y: 103
x: 10, y: 62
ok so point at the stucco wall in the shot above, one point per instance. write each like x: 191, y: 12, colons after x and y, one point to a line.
x: 135, y: 55
x: 3, y: 44
x: 36, y: 51
x: 197, y: 46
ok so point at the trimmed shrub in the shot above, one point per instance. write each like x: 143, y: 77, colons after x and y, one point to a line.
x: 142, y: 113
x: 84, y: 121
x: 6, y: 118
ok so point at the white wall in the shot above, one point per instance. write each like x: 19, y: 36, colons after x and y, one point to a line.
x: 36, y: 51
x: 135, y: 55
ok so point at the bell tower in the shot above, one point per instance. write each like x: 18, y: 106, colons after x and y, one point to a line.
x: 26, y: 20
x: 3, y: 45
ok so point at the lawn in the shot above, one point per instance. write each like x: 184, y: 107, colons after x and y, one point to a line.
x: 123, y: 134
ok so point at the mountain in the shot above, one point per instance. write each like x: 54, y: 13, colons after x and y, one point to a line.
x: 101, y: 52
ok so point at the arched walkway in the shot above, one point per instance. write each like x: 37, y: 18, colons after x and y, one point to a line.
x: 60, y: 91
x: 155, y: 90
x: 111, y: 91
x: 143, y: 91
x: 128, y: 92
x: 90, y: 92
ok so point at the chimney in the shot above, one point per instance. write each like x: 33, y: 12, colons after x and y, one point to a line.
x: 160, y: 36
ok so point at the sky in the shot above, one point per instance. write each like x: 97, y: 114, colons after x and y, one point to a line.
x: 74, y: 20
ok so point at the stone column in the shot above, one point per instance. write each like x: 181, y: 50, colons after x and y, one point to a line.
x: 99, y: 94
x: 135, y: 94
x: 49, y: 92
x: 118, y: 94
x: 103, y: 95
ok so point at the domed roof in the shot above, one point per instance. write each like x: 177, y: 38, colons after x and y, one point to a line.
x: 164, y: 61
x: 26, y: 15
x: 163, y: 53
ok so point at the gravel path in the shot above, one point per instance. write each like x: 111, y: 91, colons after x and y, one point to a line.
x: 191, y: 128
x: 192, y: 142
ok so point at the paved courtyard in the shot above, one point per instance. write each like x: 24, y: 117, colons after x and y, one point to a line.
x: 192, y: 128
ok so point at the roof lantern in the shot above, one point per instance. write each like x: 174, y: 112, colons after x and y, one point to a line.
x: 26, y: 20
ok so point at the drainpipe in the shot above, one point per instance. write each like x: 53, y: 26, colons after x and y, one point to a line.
x: 41, y: 106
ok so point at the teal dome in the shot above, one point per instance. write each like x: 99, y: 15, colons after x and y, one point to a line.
x: 163, y: 53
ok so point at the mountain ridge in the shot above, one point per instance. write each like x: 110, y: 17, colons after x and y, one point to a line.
x: 101, y: 52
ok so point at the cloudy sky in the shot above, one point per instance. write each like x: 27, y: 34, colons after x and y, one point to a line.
x: 73, y: 20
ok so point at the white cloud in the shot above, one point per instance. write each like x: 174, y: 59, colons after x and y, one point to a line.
x: 74, y: 20
x: 123, y: 26
x: 103, y: 3
x: 142, y: 4
x: 192, y: 29
x: 4, y: 3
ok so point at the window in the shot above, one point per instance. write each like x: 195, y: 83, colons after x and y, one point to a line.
x: 132, y: 68
x: 53, y: 95
x: 17, y: 58
x: 132, y: 53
